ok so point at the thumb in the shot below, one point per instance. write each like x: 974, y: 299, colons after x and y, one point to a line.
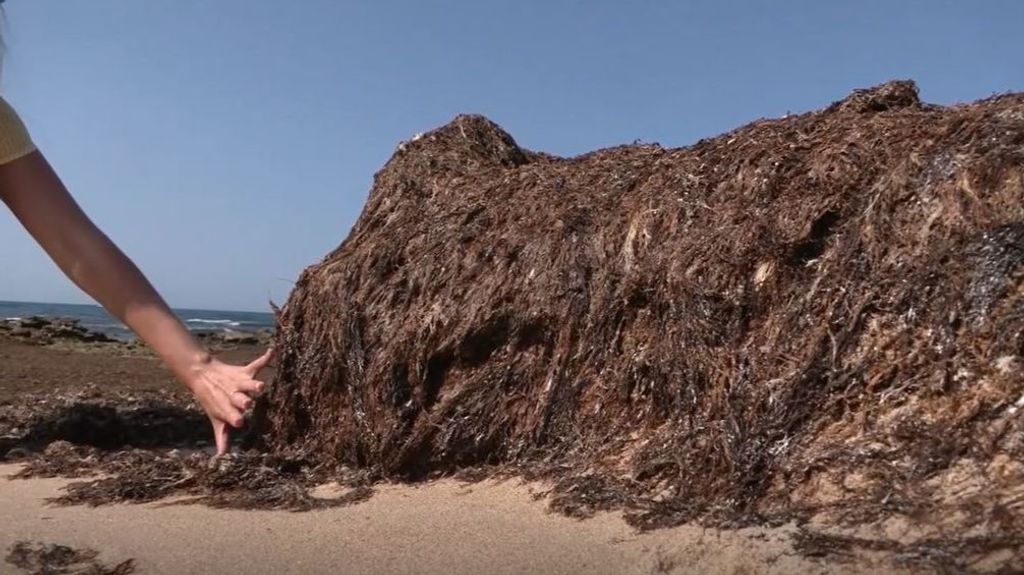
x: 260, y: 362
x: 220, y: 436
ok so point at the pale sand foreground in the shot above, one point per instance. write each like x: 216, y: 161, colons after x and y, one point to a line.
x: 441, y: 527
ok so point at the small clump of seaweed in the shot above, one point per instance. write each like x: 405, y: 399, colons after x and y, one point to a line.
x: 53, y: 559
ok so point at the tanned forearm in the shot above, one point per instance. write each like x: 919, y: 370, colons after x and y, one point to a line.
x: 132, y: 300
x: 103, y: 271
x: 36, y: 196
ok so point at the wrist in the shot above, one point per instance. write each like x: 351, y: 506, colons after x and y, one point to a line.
x: 193, y: 367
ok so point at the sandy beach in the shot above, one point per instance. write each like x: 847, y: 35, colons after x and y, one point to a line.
x: 441, y: 527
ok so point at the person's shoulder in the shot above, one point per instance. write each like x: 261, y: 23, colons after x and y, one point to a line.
x: 7, y: 111
x: 15, y: 141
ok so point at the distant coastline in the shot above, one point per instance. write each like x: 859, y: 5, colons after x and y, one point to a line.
x: 95, y: 318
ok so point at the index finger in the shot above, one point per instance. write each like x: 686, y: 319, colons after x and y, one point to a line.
x: 260, y: 362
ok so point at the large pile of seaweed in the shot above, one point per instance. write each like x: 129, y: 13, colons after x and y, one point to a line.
x: 823, y: 311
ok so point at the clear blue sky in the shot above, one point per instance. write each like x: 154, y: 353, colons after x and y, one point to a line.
x: 227, y: 144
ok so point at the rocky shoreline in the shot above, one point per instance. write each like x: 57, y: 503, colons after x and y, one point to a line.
x: 66, y: 332
x: 45, y: 331
x: 61, y: 381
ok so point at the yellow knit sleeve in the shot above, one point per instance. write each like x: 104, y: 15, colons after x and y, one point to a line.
x: 14, y: 139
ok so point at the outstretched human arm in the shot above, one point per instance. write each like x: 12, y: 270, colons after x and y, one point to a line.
x: 37, y: 197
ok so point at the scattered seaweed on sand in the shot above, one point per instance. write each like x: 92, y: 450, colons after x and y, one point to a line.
x: 964, y: 554
x: 51, y: 559
x: 239, y: 481
x: 150, y: 419
x: 145, y: 446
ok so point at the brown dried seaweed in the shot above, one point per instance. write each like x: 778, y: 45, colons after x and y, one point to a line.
x: 51, y: 559
x: 820, y: 314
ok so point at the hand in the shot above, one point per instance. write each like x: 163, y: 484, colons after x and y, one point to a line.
x: 224, y: 391
x: 30, y: 187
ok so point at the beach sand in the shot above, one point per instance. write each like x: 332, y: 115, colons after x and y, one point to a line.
x: 440, y: 527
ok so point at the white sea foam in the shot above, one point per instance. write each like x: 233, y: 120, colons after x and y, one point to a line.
x: 215, y: 322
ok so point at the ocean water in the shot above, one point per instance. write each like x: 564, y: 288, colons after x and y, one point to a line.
x: 96, y: 318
